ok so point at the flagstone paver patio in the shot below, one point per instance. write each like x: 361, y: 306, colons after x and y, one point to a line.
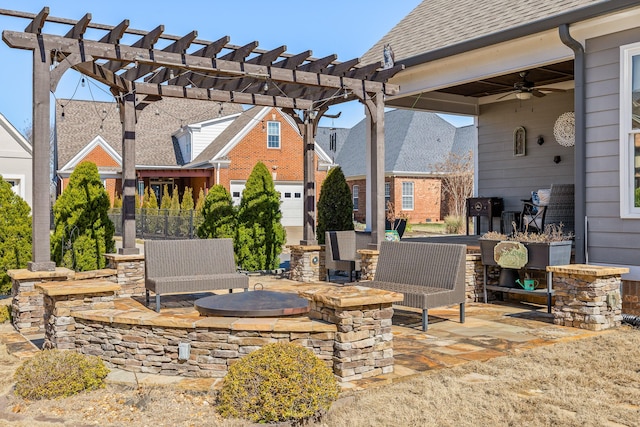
x: 490, y: 330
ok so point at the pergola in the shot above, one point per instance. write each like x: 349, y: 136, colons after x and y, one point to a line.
x: 139, y: 74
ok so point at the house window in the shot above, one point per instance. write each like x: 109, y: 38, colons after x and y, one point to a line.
x: 407, y: 196
x: 356, y: 196
x: 387, y: 194
x: 273, y: 134
x: 630, y: 131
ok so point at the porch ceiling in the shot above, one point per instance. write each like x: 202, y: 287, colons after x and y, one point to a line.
x: 541, y: 76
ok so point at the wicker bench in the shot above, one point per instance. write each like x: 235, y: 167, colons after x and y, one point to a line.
x: 184, y: 266
x: 429, y: 275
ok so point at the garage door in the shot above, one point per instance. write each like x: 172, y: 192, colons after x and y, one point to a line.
x: 291, y: 201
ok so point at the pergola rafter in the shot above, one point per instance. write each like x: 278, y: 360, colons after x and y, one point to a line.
x: 216, y: 71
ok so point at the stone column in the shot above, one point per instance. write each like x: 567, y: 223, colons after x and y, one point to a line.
x: 27, y: 306
x: 129, y: 273
x: 368, y: 263
x: 307, y: 263
x: 587, y: 296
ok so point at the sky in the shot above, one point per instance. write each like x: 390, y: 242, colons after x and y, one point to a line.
x: 347, y: 28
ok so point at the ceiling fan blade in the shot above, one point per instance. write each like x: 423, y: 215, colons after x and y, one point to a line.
x: 537, y: 93
x: 507, y: 94
x: 550, y: 89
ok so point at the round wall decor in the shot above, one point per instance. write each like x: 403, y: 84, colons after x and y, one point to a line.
x: 565, y: 129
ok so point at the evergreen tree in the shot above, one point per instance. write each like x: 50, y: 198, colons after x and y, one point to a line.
x: 200, y: 202
x: 186, y: 212
x: 219, y: 215
x: 150, y: 206
x: 335, y: 206
x: 15, y: 234
x: 117, y: 202
x: 83, y: 231
x: 174, y: 212
x: 260, y: 234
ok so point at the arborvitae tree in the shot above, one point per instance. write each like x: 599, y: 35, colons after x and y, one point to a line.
x: 186, y: 212
x: 219, y: 215
x: 117, y: 202
x: 200, y: 202
x: 150, y: 206
x: 165, y: 202
x: 174, y: 212
x: 15, y: 234
x: 83, y: 231
x: 260, y: 234
x: 335, y: 206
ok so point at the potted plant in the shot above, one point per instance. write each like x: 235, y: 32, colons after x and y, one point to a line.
x: 551, y: 247
x: 395, y: 222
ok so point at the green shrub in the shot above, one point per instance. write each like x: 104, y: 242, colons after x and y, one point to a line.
x: 279, y: 382
x: 260, y: 235
x: 15, y: 234
x: 83, y: 231
x: 218, y: 214
x: 335, y: 205
x: 59, y: 373
x: 5, y: 313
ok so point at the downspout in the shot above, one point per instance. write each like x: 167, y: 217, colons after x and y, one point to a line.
x: 580, y: 150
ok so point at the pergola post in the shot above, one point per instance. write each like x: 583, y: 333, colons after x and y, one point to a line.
x: 309, y: 230
x: 41, y: 222
x: 128, y: 116
x: 375, y: 168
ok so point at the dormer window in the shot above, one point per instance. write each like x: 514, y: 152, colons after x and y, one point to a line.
x: 273, y: 134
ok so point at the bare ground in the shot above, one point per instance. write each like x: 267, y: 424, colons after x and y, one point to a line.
x: 588, y: 382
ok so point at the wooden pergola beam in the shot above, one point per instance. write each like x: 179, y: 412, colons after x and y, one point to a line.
x: 115, y: 35
x: 78, y: 30
x: 145, y: 42
x: 128, y: 54
x: 38, y: 22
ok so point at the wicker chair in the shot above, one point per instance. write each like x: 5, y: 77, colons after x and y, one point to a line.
x: 185, y: 266
x: 429, y: 275
x: 341, y: 251
x: 559, y: 210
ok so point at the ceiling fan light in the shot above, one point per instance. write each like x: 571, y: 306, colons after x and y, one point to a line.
x: 523, y: 95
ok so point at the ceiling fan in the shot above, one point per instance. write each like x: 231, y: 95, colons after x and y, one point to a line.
x: 524, y: 89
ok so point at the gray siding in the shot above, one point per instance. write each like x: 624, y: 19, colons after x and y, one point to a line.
x: 500, y: 174
x: 611, y: 240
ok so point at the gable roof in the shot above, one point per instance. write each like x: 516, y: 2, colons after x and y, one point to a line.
x: 445, y: 24
x: 19, y: 139
x: 234, y: 133
x: 83, y: 121
x: 414, y: 141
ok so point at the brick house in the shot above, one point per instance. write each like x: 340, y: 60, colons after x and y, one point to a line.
x: 414, y: 142
x: 186, y: 143
x: 15, y: 160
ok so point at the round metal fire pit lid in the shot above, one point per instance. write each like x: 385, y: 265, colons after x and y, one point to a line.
x: 253, y: 304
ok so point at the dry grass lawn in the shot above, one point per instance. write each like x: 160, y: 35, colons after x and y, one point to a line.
x: 588, y: 382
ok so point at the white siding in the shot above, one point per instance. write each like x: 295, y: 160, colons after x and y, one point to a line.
x: 204, y: 135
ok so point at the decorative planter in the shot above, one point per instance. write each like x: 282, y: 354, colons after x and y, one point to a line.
x: 540, y: 254
x: 399, y: 225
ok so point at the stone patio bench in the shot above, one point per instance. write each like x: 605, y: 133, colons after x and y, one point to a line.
x: 429, y: 275
x: 187, y: 266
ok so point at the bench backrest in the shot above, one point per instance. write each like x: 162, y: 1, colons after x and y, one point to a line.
x: 165, y: 258
x: 439, y: 265
x: 340, y: 245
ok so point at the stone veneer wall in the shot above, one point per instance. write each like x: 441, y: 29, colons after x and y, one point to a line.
x: 587, y: 296
x: 307, y: 263
x: 27, y: 305
x: 363, y: 345
x: 150, y: 349
x: 129, y: 273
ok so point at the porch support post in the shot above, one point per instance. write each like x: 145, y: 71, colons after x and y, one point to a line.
x: 41, y: 161
x: 309, y: 230
x: 128, y: 117
x: 375, y: 156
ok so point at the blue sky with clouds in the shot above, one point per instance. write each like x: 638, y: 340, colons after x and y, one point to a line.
x: 345, y: 28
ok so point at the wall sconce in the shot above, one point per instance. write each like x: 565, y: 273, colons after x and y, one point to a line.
x: 540, y: 140
x: 557, y: 159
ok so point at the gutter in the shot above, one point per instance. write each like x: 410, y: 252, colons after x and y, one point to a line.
x: 545, y: 24
x: 580, y: 150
